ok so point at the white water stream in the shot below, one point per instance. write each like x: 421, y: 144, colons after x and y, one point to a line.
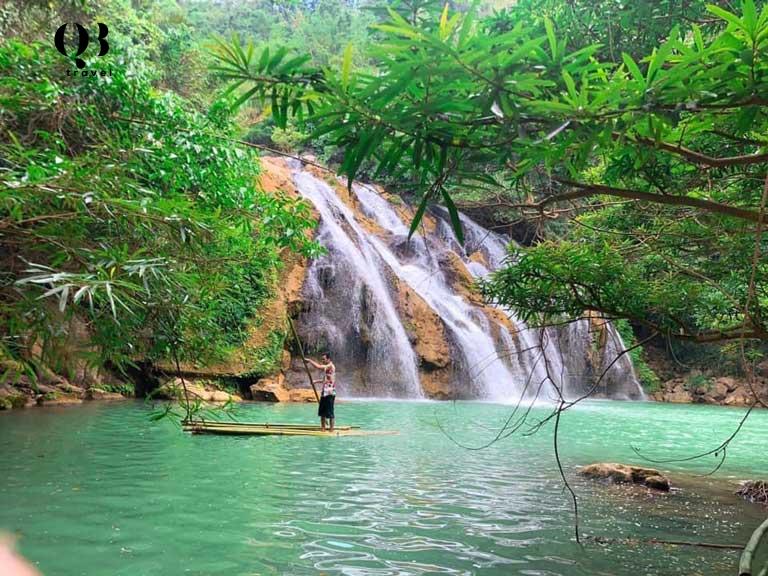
x: 350, y: 308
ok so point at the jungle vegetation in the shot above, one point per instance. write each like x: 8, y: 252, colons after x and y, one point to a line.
x: 127, y: 209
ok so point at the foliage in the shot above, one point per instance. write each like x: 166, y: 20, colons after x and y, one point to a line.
x: 695, y: 381
x: 287, y: 139
x: 121, y: 205
x: 321, y: 29
x: 660, y: 156
x: 645, y: 374
x: 125, y: 389
x: 266, y: 359
x: 616, y: 26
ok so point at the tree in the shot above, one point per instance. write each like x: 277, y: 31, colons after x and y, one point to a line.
x: 124, y: 208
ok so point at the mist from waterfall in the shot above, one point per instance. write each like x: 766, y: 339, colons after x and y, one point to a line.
x: 350, y: 308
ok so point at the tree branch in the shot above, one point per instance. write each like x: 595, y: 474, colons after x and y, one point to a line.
x: 584, y: 190
x: 699, y: 158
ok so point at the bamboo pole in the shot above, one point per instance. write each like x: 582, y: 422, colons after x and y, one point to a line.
x: 745, y: 562
x: 303, y: 358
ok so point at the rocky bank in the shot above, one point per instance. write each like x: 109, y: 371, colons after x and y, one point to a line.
x: 724, y: 390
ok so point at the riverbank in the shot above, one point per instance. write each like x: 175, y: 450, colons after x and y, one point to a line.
x: 58, y: 391
x: 54, y: 390
x: 700, y: 389
x: 705, y: 381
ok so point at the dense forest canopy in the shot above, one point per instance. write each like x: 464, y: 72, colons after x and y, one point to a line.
x: 627, y: 151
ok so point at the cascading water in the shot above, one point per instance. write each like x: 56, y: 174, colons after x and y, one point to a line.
x: 351, y: 307
x: 351, y: 310
x: 418, y: 266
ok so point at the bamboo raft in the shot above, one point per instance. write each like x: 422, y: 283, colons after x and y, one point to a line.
x: 266, y: 429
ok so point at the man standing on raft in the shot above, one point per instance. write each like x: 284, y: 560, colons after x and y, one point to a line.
x: 328, y: 395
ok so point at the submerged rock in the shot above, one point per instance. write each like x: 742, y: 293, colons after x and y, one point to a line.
x: 59, y: 401
x: 657, y: 483
x: 754, y: 491
x: 627, y: 474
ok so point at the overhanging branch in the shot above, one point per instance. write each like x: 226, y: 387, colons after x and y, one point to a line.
x: 585, y: 190
x: 704, y: 159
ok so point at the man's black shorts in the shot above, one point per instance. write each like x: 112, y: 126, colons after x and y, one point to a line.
x: 325, y: 410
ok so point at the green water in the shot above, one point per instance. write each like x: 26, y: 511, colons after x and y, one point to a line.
x: 101, y: 490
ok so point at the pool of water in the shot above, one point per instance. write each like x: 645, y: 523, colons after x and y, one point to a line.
x: 101, y: 490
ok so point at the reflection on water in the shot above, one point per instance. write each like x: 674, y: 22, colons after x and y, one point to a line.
x: 100, y: 490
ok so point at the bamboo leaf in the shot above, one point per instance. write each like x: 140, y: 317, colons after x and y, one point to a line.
x: 454, y: 214
x: 727, y: 16
x: 571, y: 85
x: 264, y: 59
x: 245, y: 97
x: 633, y: 68
x: 444, y: 23
x: 346, y: 66
x: 418, y: 215
x: 551, y: 37
x: 466, y: 25
x: 750, y: 17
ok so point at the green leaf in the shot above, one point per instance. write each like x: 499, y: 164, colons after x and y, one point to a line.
x: 454, y: 213
x: 264, y: 59
x: 571, y: 85
x: 750, y: 16
x: 551, y: 37
x: 727, y: 16
x: 633, y: 68
x: 418, y: 216
x: 245, y: 97
x: 346, y: 66
x: 444, y: 23
x: 698, y: 38
x: 294, y: 64
x: 277, y: 58
x: 466, y: 25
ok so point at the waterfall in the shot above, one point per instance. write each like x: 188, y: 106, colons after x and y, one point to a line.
x: 352, y: 307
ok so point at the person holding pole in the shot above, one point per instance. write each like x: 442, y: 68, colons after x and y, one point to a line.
x: 328, y: 395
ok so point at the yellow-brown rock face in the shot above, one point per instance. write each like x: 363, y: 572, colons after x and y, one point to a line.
x: 425, y: 329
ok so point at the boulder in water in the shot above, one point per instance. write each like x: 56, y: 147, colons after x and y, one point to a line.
x: 174, y: 390
x: 627, y: 474
x: 275, y: 390
x: 269, y: 390
x: 658, y: 483
x: 679, y: 397
x: 302, y: 395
